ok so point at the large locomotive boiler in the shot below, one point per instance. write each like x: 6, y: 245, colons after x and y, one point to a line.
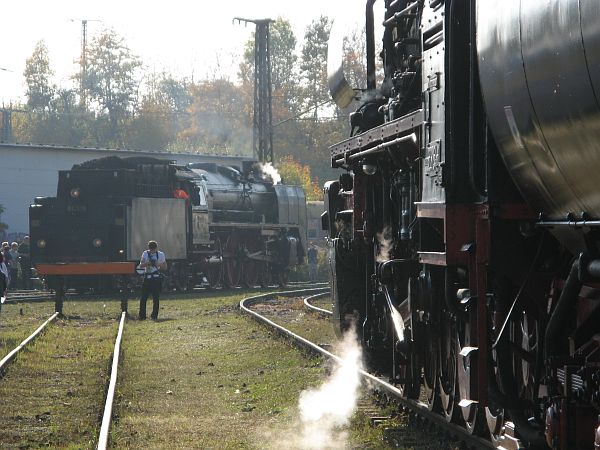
x: 465, y: 224
x: 218, y: 225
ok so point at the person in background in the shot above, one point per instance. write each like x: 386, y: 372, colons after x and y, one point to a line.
x: 4, y: 277
x: 154, y: 261
x: 313, y: 257
x: 25, y: 263
x: 13, y: 265
x: 5, y: 252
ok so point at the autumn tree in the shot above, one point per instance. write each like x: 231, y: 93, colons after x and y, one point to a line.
x: 214, y: 123
x: 111, y: 79
x: 38, y: 73
x: 294, y: 173
x: 313, y: 64
x: 161, y: 114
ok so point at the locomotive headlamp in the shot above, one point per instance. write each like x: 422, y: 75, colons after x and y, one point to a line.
x: 41, y: 243
x: 75, y: 192
x: 369, y: 167
x: 97, y: 242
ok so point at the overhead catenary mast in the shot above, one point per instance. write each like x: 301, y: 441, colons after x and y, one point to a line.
x: 83, y: 61
x: 262, y: 136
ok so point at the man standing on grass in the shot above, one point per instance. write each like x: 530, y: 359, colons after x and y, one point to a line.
x: 153, y: 261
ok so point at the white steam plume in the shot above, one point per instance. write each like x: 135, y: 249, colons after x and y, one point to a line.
x: 325, y: 410
x: 386, y: 243
x: 271, y: 172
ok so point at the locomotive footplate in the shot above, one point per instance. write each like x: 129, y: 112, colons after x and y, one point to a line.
x: 385, y: 133
x: 85, y: 268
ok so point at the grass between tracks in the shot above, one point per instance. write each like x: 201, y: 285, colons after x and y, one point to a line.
x: 204, y: 376
x: 52, y: 394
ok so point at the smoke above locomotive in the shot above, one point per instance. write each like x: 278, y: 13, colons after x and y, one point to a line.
x: 218, y: 225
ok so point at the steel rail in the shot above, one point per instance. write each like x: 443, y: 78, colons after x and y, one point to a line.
x: 316, y: 308
x: 110, y: 394
x: 8, y: 358
x: 415, y: 406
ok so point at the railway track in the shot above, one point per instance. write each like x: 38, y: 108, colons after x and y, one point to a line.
x: 13, y: 353
x: 108, y: 394
x: 378, y: 384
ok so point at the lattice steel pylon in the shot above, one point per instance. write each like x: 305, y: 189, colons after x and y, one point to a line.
x: 262, y: 136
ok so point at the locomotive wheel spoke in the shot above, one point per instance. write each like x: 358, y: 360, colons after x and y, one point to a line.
x: 251, y: 266
x: 471, y: 412
x: 233, y: 264
x: 448, y: 382
x: 214, y: 271
x: 431, y: 359
x: 264, y: 274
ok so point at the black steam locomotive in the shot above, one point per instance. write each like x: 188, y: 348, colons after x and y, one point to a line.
x: 466, y: 224
x: 218, y: 225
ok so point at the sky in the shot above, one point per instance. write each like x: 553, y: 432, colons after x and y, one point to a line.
x: 185, y: 38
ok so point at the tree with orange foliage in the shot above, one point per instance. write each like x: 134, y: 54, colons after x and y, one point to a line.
x: 292, y: 172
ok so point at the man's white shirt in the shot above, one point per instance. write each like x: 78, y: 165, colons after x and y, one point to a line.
x: 158, y: 256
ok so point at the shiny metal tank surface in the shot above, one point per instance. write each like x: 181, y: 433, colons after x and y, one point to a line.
x: 539, y: 65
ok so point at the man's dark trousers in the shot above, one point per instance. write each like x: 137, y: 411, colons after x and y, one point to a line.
x: 150, y: 286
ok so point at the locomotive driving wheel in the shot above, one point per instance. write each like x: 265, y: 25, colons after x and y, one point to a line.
x: 430, y: 357
x: 466, y: 371
x: 233, y: 262
x: 251, y: 266
x: 448, y: 382
x: 214, y: 272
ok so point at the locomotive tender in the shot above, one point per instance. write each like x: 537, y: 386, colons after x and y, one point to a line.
x: 465, y: 226
x: 218, y: 225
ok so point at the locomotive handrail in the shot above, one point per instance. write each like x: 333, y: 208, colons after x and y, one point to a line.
x: 568, y: 223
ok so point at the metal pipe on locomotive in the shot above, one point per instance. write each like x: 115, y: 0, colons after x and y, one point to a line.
x: 465, y: 226
x: 218, y: 225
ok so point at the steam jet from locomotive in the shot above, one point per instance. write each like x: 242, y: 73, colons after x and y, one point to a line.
x: 465, y: 224
x: 217, y: 224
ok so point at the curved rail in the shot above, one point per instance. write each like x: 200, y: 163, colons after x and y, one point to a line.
x: 316, y: 308
x: 8, y: 358
x: 415, y: 406
x: 110, y: 395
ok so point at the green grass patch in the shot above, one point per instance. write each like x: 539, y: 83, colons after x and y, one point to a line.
x: 52, y: 395
x: 17, y: 321
x: 205, y: 376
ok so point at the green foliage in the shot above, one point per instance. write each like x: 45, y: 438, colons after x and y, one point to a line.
x: 313, y: 65
x: 283, y: 64
x: 40, y: 91
x: 214, y: 122
x: 111, y: 79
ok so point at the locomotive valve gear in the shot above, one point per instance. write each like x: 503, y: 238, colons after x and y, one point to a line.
x: 153, y: 261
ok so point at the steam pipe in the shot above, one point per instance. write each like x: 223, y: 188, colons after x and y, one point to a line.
x: 411, y: 138
x: 370, y: 32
